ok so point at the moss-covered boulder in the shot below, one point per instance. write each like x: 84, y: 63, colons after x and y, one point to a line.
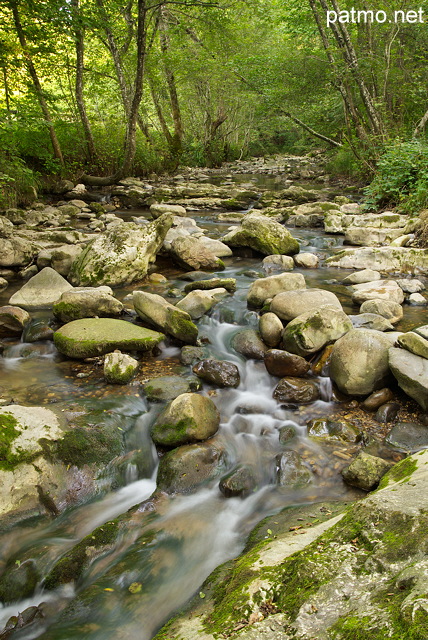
x: 263, y: 235
x: 187, y: 419
x: 159, y: 313
x: 96, y: 336
x: 185, y: 469
x: 311, y: 331
x: 366, y: 471
x: 121, y: 254
x: 119, y: 368
x: 95, y: 302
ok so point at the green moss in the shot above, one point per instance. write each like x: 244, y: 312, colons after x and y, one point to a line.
x: 400, y: 472
x: 8, y: 434
x: 173, y: 435
x: 83, y: 445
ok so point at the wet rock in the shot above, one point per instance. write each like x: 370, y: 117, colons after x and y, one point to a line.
x: 379, y: 290
x: 271, y: 328
x: 282, y: 363
x: 371, y: 321
x: 87, y: 303
x: 334, y: 429
x: 359, y: 362
x: 13, y: 320
x: 212, y: 283
x: 18, y: 582
x: 263, y: 235
x: 248, y: 343
x: 121, y: 254
x: 411, y: 373
x: 287, y: 433
x: 414, y: 343
x: 387, y: 412
x: 365, y: 471
x: 306, y: 260
x: 408, y: 436
x: 311, y: 331
x: 119, y: 368
x: 289, y: 304
x: 218, y: 373
x: 268, y: 287
x: 158, y: 209
x: 277, y: 263
x: 190, y: 355
x: 238, y: 482
x: 165, y: 388
x: 192, y: 253
x: 411, y: 286
x: 417, y: 299
x: 292, y: 390
x: 59, y: 258
x: 292, y: 471
x: 165, y: 316
x: 185, y: 469
x: 385, y: 259
x: 392, y: 311
x: 198, y: 302
x: 366, y: 275
x: 187, y: 419
x: 41, y: 291
x: 37, y: 330
x: 27, y: 617
x: 377, y: 399
x: 97, y: 336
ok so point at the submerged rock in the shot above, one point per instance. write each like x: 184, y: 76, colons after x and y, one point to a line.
x: 238, y: 482
x: 292, y: 471
x: 187, y: 468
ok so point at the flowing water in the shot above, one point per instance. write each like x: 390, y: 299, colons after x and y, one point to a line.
x: 169, y: 544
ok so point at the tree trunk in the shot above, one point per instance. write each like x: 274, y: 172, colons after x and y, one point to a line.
x: 6, y: 92
x: 421, y: 125
x: 170, y: 80
x: 166, y: 132
x: 36, y: 82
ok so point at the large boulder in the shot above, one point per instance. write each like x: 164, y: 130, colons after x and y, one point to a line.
x: 16, y: 252
x: 97, y: 336
x: 185, y: 469
x: 13, y: 320
x: 156, y: 311
x: 193, y: 253
x: 87, y: 303
x: 198, y: 302
x: 311, y: 331
x: 290, y: 304
x: 41, y: 291
x: 59, y: 258
x: 359, y: 362
x: 389, y: 310
x: 187, y: 419
x: 379, y: 290
x: 388, y: 259
x: 264, y: 288
x: 411, y: 373
x: 263, y: 235
x: 121, y: 254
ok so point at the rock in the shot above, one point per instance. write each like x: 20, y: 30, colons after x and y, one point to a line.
x: 292, y: 390
x: 212, y: 283
x: 59, y: 258
x: 392, y: 311
x: 198, y: 302
x: 414, y: 343
x: 334, y: 429
x: 187, y: 419
x: 91, y: 337
x: 370, y: 237
x: 189, y: 354
x: 41, y: 291
x: 121, y: 254
x: 268, y: 287
x: 298, y: 194
x: 158, y: 312
x: 290, y: 304
x: 359, y: 362
x: 185, y: 469
x: 158, y: 209
x: 119, y: 368
x: 277, y: 263
x: 6, y: 227
x: 380, y: 290
x: 311, y: 331
x: 238, y: 482
x: 37, y: 330
x: 270, y: 327
x: 359, y: 277
x: 217, y: 247
x: 192, y: 253
x: 263, y: 235
x: 387, y: 259
x: 387, y: 412
x: 86, y: 303
x: 166, y: 388
x: 3, y: 284
x: 408, y: 436
x: 422, y: 331
x: 377, y: 399
x: 365, y: 471
x: 292, y: 471
x: 218, y: 373
x: 417, y: 299
x: 306, y: 260
x: 13, y: 321
x: 19, y: 582
x: 62, y: 186
x: 287, y: 433
x: 248, y: 343
x: 411, y: 286
x: 282, y: 363
x: 16, y: 252
x: 28, y: 272
x: 411, y: 373
x: 371, y: 321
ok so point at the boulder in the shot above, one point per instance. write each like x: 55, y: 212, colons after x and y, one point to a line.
x: 306, y: 260
x: 166, y: 388
x: 411, y: 373
x: 292, y: 390
x: 370, y: 237
x: 366, y: 275
x: 408, y: 436
x: 16, y: 252
x: 59, y: 258
x: 238, y: 482
x: 190, y: 355
x: 121, y: 254
x: 248, y: 343
x: 371, y: 321
x: 289, y: 304
x: 379, y: 290
x: 263, y: 235
x: 282, y: 363
x: 119, y: 368
x: 6, y: 227
x: 187, y: 419
x: 359, y: 362
x: 13, y: 321
x: 388, y: 259
x: 86, y: 303
x: 270, y: 327
x: 219, y: 373
x: 156, y: 311
x: 41, y: 291
x: 292, y: 471
x: 392, y: 311
x: 198, y: 302
x: 366, y: 471
x: 414, y: 343
x: 411, y: 285
x: 91, y: 337
x: 277, y: 263
x: 311, y: 331
x: 187, y: 468
x: 417, y: 299
x: 264, y: 288
x: 192, y: 253
x: 158, y: 209
x: 212, y: 283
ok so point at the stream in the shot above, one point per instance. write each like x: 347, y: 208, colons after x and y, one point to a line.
x: 170, y: 543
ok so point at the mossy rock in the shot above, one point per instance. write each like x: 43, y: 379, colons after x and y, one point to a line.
x: 87, y: 445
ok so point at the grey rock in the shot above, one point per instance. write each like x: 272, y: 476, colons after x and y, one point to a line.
x: 411, y: 372
x: 414, y: 343
x: 392, y: 311
x: 268, y: 287
x: 165, y: 316
x: 311, y: 331
x: 166, y: 388
x: 119, y: 368
x: 306, y: 260
x: 292, y: 471
x: 366, y: 275
x: 41, y: 291
x: 365, y: 471
x: 371, y: 321
x: 238, y: 482
x: 218, y: 373
x: 187, y: 468
x: 199, y: 302
x: 248, y: 343
x: 408, y: 436
x: 270, y: 327
x: 86, y: 303
x: 277, y: 263
x: 379, y: 290
x: 289, y: 304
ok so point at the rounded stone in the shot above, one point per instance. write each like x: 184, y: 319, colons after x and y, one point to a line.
x: 218, y: 372
x: 248, y: 343
x: 270, y: 327
x: 282, y: 363
x: 377, y: 399
x: 185, y: 469
x: 289, y: 304
x: 239, y: 482
x: 392, y: 311
x: 292, y: 390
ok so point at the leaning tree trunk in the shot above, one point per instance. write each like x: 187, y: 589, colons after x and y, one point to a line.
x: 36, y: 82
x: 421, y: 125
